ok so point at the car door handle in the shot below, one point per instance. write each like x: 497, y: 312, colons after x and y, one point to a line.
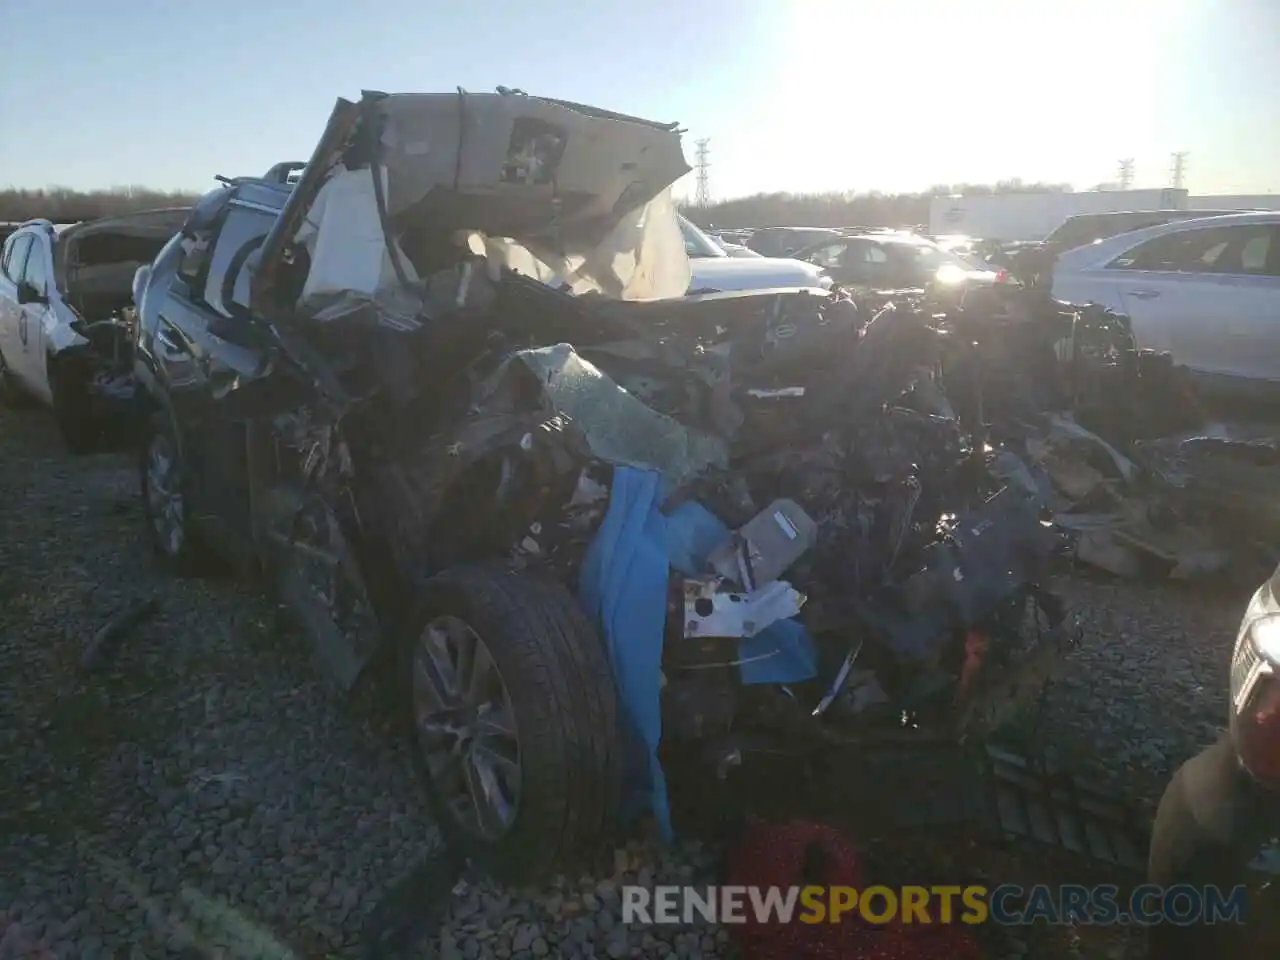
x: 1144, y: 294
x: 166, y: 340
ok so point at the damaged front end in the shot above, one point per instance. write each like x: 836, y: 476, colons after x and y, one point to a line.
x: 783, y: 533
x: 95, y: 263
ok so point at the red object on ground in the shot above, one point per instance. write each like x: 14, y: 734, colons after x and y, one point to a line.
x: 803, y: 854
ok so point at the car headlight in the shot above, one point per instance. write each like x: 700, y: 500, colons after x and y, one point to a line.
x: 1265, y: 635
x: 1255, y: 687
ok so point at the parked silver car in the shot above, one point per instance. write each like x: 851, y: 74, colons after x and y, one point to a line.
x: 1206, y: 290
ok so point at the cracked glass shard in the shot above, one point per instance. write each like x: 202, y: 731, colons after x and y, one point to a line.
x: 618, y: 426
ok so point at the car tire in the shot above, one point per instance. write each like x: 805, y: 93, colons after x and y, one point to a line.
x: 11, y: 394
x: 80, y: 430
x: 552, y: 669
x: 164, y: 483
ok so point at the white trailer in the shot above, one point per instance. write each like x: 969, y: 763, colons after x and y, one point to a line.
x: 1030, y: 216
x: 1236, y: 201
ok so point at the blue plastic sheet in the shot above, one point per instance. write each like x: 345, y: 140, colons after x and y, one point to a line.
x: 623, y: 585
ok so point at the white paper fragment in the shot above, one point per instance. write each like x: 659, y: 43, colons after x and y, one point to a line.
x: 710, y: 611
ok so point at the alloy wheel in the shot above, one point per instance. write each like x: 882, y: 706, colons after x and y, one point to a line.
x: 465, y: 727
x: 164, y: 495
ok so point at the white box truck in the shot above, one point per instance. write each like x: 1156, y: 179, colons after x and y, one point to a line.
x: 1030, y: 216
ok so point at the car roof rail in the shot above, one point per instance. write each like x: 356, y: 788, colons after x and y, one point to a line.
x: 275, y: 180
x: 287, y: 171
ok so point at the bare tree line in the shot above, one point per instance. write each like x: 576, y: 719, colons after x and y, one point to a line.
x: 873, y: 209
x: 64, y: 205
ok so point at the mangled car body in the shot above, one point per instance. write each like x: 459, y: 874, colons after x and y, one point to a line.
x: 445, y: 393
x: 66, y: 333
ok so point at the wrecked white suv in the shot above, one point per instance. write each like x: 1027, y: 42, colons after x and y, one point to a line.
x: 65, y: 338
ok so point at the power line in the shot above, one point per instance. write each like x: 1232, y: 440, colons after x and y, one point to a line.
x: 1126, y: 174
x: 1178, y: 173
x: 703, y: 196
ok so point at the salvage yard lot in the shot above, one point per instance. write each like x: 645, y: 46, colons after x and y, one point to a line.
x: 205, y: 789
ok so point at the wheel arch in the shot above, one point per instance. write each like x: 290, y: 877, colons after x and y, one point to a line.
x: 149, y: 399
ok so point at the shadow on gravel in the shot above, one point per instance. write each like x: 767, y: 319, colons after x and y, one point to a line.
x: 73, y: 731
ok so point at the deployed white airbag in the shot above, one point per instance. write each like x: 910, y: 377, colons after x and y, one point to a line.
x: 642, y: 258
x: 343, y: 235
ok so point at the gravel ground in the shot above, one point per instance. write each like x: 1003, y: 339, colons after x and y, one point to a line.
x: 205, y: 796
x: 1148, y: 688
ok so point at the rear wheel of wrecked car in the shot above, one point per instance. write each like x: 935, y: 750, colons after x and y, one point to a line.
x: 515, y: 719
x: 164, y: 498
x: 81, y: 432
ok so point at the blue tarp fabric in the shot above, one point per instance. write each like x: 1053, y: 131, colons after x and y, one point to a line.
x: 623, y: 586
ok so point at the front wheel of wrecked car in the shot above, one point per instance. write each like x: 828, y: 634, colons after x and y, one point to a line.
x: 164, y: 498
x: 514, y: 720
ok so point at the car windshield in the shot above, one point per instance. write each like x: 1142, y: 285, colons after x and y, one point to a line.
x: 807, y: 238
x: 697, y: 244
x: 1078, y: 231
x: 923, y: 261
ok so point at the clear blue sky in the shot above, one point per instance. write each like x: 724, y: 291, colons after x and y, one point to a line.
x: 798, y: 95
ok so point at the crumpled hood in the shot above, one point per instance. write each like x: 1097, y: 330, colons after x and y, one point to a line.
x: 549, y: 188
x: 159, y: 225
x: 755, y: 273
x: 162, y: 223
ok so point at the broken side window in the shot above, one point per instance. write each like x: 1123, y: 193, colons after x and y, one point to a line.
x: 192, y: 267
x: 36, y: 272
x: 243, y: 230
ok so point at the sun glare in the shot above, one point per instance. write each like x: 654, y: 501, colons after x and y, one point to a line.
x: 989, y: 82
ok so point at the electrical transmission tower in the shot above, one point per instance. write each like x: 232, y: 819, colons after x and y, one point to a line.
x: 703, y: 196
x: 1126, y: 174
x: 1178, y: 173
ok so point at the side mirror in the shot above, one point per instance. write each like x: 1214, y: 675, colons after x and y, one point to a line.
x: 29, y: 294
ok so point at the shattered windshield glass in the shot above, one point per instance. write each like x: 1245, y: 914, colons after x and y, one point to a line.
x: 619, y: 427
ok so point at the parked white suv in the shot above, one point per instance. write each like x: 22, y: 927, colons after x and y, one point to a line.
x: 1207, y: 291
x: 64, y: 339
